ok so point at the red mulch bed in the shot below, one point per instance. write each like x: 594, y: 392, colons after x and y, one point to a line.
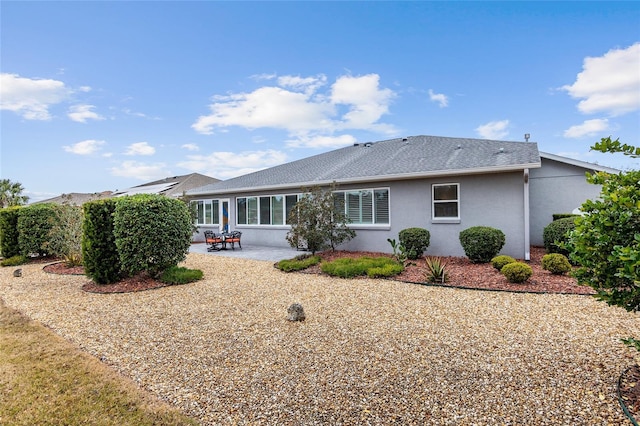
x: 464, y: 274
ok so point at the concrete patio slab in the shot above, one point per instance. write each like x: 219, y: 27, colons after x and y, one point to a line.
x: 250, y: 252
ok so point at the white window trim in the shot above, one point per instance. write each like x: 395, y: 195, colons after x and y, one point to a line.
x: 264, y: 225
x: 206, y: 201
x: 370, y: 225
x: 448, y: 219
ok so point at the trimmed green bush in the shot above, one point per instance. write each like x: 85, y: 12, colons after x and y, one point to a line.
x: 14, y: 261
x: 298, y: 263
x: 499, y: 261
x: 556, y: 233
x: 556, y: 263
x: 517, y: 272
x: 180, y: 275
x: 99, y: 252
x: 482, y: 243
x: 415, y: 241
x: 349, y: 268
x: 153, y: 233
x: 34, y: 224
x: 9, y: 245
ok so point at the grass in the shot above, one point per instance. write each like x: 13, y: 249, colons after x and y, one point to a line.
x: 180, y: 275
x: 44, y: 380
x: 298, y: 263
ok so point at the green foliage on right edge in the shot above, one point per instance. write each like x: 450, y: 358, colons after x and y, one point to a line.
x: 318, y: 222
x: 153, y: 233
x: 606, y: 240
x: 99, y: 252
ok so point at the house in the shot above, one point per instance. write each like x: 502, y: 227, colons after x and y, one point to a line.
x: 174, y: 186
x: 442, y: 184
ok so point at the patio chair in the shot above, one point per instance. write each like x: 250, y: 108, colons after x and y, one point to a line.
x: 232, y: 238
x: 213, y: 240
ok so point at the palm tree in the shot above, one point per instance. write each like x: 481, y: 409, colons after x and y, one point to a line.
x: 11, y: 194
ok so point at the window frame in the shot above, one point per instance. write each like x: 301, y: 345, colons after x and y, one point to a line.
x: 214, y: 212
x: 260, y: 205
x: 373, y: 205
x: 457, y: 201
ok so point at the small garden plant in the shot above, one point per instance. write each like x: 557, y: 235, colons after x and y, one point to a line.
x: 349, y: 268
x: 415, y: 240
x: 499, y: 261
x: 517, y: 272
x: 298, y: 263
x: 14, y: 261
x: 556, y: 263
x: 436, y: 270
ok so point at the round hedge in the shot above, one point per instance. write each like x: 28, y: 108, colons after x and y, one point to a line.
x: 555, y: 234
x: 481, y: 243
x: 556, y: 263
x: 499, y: 261
x: 415, y: 241
x: 517, y: 272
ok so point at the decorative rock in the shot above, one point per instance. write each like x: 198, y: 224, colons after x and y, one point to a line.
x: 296, y: 312
x: 17, y: 272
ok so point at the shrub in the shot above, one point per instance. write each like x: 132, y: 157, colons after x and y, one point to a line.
x: 556, y: 234
x: 14, y: 261
x: 517, y: 272
x: 556, y: 263
x: 415, y: 240
x: 298, y: 263
x: 99, y: 252
x: 153, y: 232
x: 180, y: 275
x: 557, y: 216
x: 481, y: 243
x: 387, y: 270
x: 9, y: 245
x: 348, y: 268
x: 499, y: 261
x: 34, y: 223
x: 436, y: 270
x: 65, y: 235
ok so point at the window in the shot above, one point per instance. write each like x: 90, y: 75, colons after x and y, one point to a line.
x: 446, y: 201
x: 366, y: 206
x: 265, y: 210
x: 207, y: 212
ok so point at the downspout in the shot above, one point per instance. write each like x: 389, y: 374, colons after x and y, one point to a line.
x: 527, y: 237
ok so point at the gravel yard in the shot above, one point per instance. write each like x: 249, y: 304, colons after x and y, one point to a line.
x: 369, y: 352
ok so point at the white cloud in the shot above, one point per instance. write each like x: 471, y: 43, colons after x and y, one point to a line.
x: 299, y: 106
x: 191, y: 147
x: 494, y: 129
x: 31, y: 98
x: 609, y: 83
x: 322, y: 141
x: 141, y: 171
x: 225, y: 164
x: 588, y: 128
x: 140, y: 148
x: 86, y: 147
x: 82, y: 113
x: 441, y: 99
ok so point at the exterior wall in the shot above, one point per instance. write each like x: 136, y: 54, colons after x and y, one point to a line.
x: 556, y: 188
x: 494, y: 200
x: 485, y: 200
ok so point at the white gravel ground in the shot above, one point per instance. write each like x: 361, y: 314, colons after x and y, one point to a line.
x: 370, y: 351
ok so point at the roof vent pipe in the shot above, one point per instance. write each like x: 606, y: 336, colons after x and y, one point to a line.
x: 405, y: 140
x: 526, y: 137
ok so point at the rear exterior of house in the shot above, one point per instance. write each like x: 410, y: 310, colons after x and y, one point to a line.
x: 445, y: 185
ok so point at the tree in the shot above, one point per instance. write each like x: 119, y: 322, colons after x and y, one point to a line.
x: 11, y: 194
x: 606, y: 240
x: 318, y: 221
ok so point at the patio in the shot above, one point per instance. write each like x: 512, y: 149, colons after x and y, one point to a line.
x: 249, y: 251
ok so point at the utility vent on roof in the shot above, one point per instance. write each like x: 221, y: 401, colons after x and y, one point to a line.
x: 368, y: 144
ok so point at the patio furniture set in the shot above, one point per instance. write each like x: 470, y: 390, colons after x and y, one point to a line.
x: 219, y: 241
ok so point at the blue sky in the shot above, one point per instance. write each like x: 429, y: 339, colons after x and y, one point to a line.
x: 101, y: 96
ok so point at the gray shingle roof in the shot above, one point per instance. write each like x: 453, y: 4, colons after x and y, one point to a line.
x: 401, y: 158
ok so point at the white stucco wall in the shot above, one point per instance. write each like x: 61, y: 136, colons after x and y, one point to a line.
x: 556, y: 187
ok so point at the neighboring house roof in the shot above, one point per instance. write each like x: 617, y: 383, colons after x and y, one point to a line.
x: 76, y: 198
x: 394, y: 159
x: 585, y: 165
x: 170, y: 186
